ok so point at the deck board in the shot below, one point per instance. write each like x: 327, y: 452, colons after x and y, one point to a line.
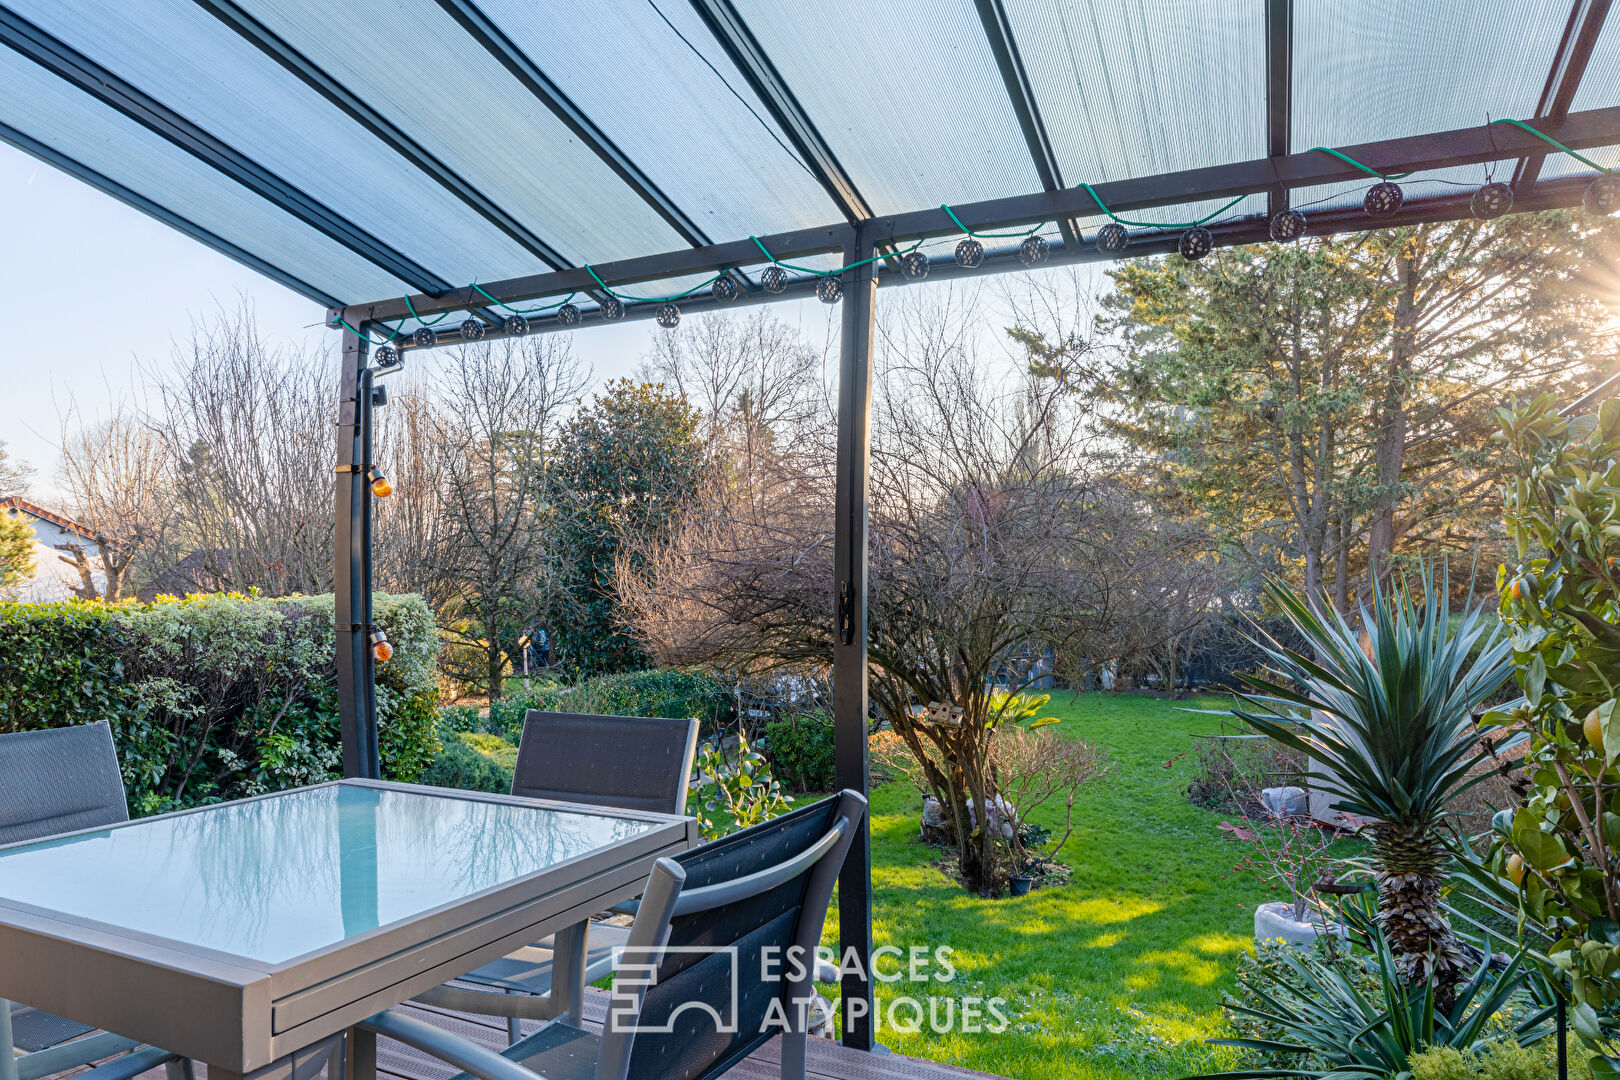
x: 824, y: 1060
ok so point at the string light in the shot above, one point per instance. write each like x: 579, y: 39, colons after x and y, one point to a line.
x: 668, y: 315
x: 1113, y: 238
x: 1602, y: 195
x: 381, y: 650
x: 1491, y: 201
x: 1383, y: 199
x: 1195, y: 243
x: 1286, y: 226
x: 380, y: 486
x: 1033, y: 251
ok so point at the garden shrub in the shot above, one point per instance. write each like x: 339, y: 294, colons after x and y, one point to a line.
x: 460, y: 764
x: 801, y: 750
x: 216, y: 696
x: 673, y: 693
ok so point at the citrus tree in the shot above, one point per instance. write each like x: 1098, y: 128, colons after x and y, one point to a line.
x: 1561, y: 843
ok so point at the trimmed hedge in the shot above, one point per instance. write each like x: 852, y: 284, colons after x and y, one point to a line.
x: 800, y: 749
x: 673, y: 693
x: 217, y: 696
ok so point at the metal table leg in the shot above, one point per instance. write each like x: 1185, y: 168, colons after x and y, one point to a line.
x: 568, y: 973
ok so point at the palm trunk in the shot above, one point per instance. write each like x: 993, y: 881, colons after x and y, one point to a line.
x: 1411, y: 912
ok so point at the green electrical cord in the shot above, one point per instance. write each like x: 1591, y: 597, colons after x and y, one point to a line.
x: 519, y: 311
x: 1348, y: 160
x: 1555, y: 142
x: 989, y: 236
x: 1160, y: 224
x: 827, y: 273
x: 654, y: 299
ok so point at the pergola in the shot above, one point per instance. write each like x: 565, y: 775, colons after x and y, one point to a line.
x: 489, y: 169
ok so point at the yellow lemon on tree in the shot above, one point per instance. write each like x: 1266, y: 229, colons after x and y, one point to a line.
x: 1515, y: 868
x: 1592, y: 728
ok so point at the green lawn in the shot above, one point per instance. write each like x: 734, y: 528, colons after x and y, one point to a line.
x: 1120, y: 972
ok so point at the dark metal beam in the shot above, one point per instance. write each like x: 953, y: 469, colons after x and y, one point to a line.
x: 1279, y: 89
x: 74, y: 67
x: 106, y: 184
x: 1004, y: 47
x: 361, y: 112
x: 850, y: 665
x: 494, y: 41
x: 1595, y: 127
x: 351, y: 569
x: 750, y: 58
x: 1564, y: 79
x: 1545, y: 195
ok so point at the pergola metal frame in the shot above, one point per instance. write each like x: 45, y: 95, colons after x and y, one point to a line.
x: 858, y: 236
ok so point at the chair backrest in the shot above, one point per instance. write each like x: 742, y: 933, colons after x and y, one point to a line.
x: 58, y: 780
x: 709, y: 919
x: 629, y: 762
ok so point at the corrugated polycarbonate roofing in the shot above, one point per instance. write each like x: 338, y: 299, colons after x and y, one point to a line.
x: 359, y: 150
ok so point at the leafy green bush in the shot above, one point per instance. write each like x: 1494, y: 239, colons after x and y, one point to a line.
x: 215, y: 697
x: 459, y: 764
x: 1498, y: 1061
x: 674, y: 693
x: 800, y: 749
x: 737, y: 790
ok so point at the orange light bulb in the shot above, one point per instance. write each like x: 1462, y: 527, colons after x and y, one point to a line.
x: 381, y: 488
x: 382, y: 652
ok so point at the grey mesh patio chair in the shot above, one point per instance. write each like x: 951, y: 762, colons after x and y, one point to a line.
x: 693, y: 995
x: 624, y: 762
x: 55, y: 781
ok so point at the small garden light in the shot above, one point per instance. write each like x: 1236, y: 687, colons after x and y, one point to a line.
x: 380, y: 485
x: 381, y: 650
x: 725, y: 289
x: 969, y: 253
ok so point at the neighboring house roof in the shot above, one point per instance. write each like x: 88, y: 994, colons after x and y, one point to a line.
x: 16, y: 502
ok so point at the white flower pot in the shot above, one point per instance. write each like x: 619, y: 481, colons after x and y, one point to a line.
x: 1276, y: 920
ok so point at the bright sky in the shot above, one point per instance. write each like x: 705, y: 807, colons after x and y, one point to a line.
x: 100, y: 290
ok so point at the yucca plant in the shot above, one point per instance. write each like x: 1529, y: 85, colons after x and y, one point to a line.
x: 1385, y: 717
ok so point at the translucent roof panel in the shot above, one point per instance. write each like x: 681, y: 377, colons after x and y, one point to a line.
x: 175, y: 54
x: 1600, y: 84
x: 416, y: 66
x: 1134, y: 89
x: 905, y: 92
x: 40, y: 105
x: 697, y: 131
x: 1366, y: 70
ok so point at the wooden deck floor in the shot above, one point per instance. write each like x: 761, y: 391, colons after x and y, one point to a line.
x: 825, y: 1060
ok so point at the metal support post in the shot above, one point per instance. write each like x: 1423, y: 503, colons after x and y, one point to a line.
x: 351, y: 571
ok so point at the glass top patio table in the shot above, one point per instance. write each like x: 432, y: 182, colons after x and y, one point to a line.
x: 277, y: 877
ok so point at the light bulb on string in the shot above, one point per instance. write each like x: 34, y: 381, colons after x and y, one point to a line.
x: 386, y: 356
x: 1491, y: 201
x: 914, y: 265
x: 516, y: 325
x: 568, y: 315
x: 612, y: 310
x: 1195, y: 243
x: 725, y: 288
x: 472, y: 330
x: 1113, y: 238
x: 668, y: 316
x: 425, y: 338
x: 1602, y: 195
x: 1286, y: 226
x: 1033, y: 251
x: 1383, y: 199
x: 969, y: 254
x: 774, y: 280
x: 829, y: 290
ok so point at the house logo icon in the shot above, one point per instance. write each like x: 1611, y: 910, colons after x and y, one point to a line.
x: 715, y: 988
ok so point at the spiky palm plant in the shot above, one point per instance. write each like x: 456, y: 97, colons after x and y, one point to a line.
x: 1385, y: 716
